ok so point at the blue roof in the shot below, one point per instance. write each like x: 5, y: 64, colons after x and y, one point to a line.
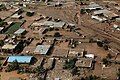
x: 20, y: 59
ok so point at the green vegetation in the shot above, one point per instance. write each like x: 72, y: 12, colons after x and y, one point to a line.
x: 13, y: 28
x: 118, y: 74
x: 2, y: 23
x: 57, y: 34
x: 82, y: 11
x: 92, y: 77
x: 105, y: 61
x: 1, y: 42
x: 13, y: 66
x: 39, y: 70
x: 0, y: 63
x: 2, y: 7
x: 109, y: 56
x: 30, y: 14
x: 69, y: 64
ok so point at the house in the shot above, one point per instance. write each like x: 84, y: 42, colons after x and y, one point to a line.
x: 106, y: 13
x: 111, y: 15
x: 42, y: 49
x: 98, y: 12
x: 53, y: 24
x: 84, y: 63
x: 16, y: 16
x: 20, y: 32
x: 100, y: 19
x: 10, y: 47
x: 36, y: 24
x: 94, y: 6
x: 90, y: 56
x: 42, y: 31
x: 116, y: 27
x: 75, y: 53
x: 21, y: 59
x: 54, y: 4
x: 117, y: 8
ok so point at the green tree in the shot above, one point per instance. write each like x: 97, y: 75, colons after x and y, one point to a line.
x: 105, y: 61
x: 91, y: 77
x: 0, y: 63
x: 57, y: 34
x: 39, y: 70
x: 82, y: 11
x: 69, y: 64
x: 109, y: 56
x: 100, y: 44
x: 1, y: 42
x: 74, y: 71
x: 13, y: 66
x: 105, y: 47
x: 30, y: 14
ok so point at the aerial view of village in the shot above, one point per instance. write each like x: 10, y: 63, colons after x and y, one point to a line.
x: 59, y: 39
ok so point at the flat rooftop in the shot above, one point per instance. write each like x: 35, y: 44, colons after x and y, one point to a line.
x: 84, y: 62
x: 9, y: 46
x: 19, y: 31
x: 53, y: 24
x: 42, y: 49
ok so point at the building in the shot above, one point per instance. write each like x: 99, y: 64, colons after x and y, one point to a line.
x: 20, y: 32
x: 20, y: 59
x: 53, y: 24
x: 75, y: 53
x: 106, y: 13
x: 117, y: 8
x: 16, y: 16
x: 54, y: 4
x: 94, y: 6
x: 9, y: 47
x: 36, y: 24
x: 100, y: 19
x: 42, y: 31
x: 101, y: 12
x: 42, y: 49
x: 84, y: 63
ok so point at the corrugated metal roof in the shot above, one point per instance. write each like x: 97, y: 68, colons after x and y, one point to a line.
x: 20, y: 59
x: 53, y: 24
x: 19, y: 31
x: 42, y: 49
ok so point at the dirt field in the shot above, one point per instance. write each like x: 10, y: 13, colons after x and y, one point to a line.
x: 7, y: 75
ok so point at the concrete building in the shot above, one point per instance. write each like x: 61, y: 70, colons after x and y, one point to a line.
x: 42, y: 49
x: 84, y: 63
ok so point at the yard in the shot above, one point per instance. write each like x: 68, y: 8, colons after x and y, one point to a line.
x: 13, y: 28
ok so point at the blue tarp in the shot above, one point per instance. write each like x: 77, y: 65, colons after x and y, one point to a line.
x: 20, y: 59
